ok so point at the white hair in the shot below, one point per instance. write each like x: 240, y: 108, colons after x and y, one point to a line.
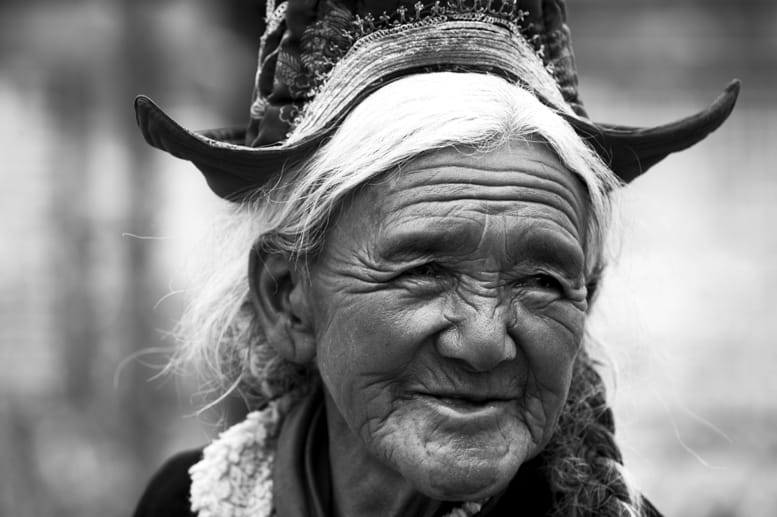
x: 402, y: 120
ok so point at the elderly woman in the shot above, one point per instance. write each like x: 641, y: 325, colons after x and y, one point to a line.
x: 422, y: 203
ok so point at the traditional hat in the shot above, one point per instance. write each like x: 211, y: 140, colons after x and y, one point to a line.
x: 320, y: 58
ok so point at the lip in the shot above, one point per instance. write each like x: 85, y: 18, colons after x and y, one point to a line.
x: 465, y: 405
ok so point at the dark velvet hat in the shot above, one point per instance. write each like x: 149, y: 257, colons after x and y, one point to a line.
x: 320, y: 58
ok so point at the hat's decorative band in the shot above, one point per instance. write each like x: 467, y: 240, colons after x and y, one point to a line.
x: 462, y: 42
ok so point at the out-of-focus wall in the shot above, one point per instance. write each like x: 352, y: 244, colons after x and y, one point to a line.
x: 86, y: 296
x: 83, y: 305
x: 687, y: 312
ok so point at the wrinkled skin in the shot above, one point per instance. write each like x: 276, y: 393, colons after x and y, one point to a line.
x: 448, y: 306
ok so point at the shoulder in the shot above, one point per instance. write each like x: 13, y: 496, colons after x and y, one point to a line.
x: 167, y: 494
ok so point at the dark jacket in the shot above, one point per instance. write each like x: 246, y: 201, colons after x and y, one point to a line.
x: 302, y: 488
x: 167, y: 495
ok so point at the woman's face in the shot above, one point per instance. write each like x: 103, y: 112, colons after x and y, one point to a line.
x: 448, y: 305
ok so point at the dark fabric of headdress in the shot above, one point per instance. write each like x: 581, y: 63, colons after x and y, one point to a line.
x: 300, y: 48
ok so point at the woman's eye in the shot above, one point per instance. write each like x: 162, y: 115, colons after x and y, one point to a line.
x: 542, y: 281
x: 428, y: 270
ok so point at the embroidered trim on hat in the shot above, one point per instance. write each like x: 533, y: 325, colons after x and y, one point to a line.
x: 300, y: 74
x: 470, y: 41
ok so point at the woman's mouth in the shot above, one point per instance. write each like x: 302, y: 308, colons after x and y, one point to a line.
x: 465, y: 405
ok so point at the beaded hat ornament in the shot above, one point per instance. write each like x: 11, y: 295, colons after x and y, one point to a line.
x: 320, y: 58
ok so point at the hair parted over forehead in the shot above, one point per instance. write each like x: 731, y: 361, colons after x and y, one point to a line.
x: 401, y: 121
x: 410, y: 117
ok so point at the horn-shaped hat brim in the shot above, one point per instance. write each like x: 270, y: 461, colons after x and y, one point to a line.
x: 630, y: 151
x: 233, y: 171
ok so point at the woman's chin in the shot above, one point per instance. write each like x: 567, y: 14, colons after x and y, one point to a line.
x: 466, y: 475
x: 457, y: 460
x: 464, y: 484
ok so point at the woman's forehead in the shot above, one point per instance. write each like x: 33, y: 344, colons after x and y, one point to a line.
x: 519, y: 180
x: 516, y: 163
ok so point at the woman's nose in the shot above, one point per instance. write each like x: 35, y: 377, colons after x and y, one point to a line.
x: 479, y: 337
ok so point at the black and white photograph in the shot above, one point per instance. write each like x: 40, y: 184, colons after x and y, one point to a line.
x: 388, y: 258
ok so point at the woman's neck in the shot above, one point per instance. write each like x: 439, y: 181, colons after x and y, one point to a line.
x: 361, y: 485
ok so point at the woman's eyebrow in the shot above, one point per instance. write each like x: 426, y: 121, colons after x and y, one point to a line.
x: 553, y: 249
x: 413, y: 243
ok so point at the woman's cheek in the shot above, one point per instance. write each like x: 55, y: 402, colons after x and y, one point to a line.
x: 550, y: 335
x: 405, y: 320
x: 368, y: 343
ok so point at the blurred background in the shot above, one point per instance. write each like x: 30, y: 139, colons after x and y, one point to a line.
x: 95, y: 226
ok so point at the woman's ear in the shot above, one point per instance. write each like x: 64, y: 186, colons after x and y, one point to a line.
x: 280, y: 297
